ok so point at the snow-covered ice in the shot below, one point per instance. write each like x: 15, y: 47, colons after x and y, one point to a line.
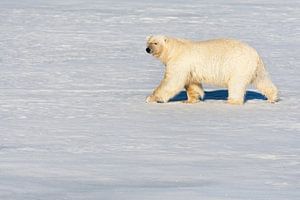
x: 74, y: 125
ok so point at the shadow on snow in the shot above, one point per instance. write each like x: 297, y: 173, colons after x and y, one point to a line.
x: 220, y: 95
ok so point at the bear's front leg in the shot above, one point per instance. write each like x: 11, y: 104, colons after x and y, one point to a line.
x: 194, y: 92
x: 154, y: 99
x: 171, y: 85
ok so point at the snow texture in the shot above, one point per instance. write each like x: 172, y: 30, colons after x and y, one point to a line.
x: 74, y: 124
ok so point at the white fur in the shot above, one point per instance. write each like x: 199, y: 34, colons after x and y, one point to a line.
x: 222, y: 62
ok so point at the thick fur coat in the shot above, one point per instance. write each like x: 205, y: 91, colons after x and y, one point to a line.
x: 221, y: 62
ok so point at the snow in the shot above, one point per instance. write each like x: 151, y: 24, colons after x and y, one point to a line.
x: 73, y: 119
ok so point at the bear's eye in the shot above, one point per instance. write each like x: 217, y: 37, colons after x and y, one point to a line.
x: 155, y: 43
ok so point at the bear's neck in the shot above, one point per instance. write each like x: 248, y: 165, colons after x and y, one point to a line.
x: 171, y: 50
x: 164, y: 58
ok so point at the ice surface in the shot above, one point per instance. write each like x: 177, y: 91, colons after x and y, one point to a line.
x: 74, y: 125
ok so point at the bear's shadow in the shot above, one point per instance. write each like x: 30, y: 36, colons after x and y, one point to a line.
x: 220, y: 95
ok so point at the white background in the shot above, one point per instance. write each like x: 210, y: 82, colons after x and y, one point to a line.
x: 74, y: 125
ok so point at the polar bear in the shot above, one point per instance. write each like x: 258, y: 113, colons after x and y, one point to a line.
x: 221, y: 62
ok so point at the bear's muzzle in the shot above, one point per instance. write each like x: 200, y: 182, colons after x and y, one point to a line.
x: 148, y: 50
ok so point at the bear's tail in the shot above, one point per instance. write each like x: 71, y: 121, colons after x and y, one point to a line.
x: 264, y: 84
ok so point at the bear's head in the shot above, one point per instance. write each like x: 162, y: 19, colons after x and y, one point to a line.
x: 156, y: 45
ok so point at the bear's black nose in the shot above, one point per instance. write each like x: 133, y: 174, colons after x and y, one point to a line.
x: 148, y: 50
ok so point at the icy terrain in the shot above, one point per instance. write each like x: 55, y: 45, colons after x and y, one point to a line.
x: 74, y: 125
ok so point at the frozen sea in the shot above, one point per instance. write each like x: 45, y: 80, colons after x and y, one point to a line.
x: 74, y: 124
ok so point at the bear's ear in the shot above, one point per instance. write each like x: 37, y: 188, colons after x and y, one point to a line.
x: 165, y: 39
x: 148, y: 37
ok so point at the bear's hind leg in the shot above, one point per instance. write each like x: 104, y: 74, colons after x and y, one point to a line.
x: 236, y: 92
x: 194, y: 92
x: 265, y: 86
